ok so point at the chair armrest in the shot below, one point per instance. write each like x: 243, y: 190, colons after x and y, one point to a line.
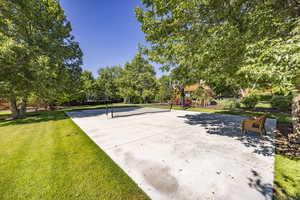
x: 253, y: 118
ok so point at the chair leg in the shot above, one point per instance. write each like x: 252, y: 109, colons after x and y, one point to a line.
x: 263, y: 132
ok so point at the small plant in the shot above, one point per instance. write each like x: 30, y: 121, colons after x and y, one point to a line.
x: 230, y: 103
x: 250, y: 101
x: 282, y: 103
x: 265, y: 96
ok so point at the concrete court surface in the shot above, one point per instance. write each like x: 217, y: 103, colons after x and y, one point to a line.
x: 183, y: 154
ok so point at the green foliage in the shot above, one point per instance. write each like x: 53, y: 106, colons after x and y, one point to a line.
x: 38, y: 55
x: 35, y: 101
x: 89, y: 89
x: 230, y: 103
x: 265, y: 96
x: 137, y: 82
x: 229, y: 44
x: 108, y: 81
x: 164, y: 89
x: 282, y: 103
x: 250, y: 101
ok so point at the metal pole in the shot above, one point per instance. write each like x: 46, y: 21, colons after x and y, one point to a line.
x: 106, y: 111
x: 112, y: 111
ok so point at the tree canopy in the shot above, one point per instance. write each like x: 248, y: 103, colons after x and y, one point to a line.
x: 240, y: 43
x: 137, y: 82
x: 108, y: 81
x: 37, y: 52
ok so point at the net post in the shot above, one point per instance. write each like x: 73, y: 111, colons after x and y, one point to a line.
x: 111, y: 110
x: 106, y: 110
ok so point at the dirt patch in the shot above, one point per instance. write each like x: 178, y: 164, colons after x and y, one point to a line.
x: 161, y: 179
x: 156, y: 175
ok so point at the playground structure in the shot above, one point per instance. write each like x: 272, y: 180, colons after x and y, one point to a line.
x: 198, y: 95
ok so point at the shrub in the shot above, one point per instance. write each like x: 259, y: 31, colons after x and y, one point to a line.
x: 230, y: 103
x: 282, y: 103
x: 265, y: 96
x: 250, y: 101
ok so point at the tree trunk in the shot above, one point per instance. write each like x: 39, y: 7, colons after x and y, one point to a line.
x: 13, y: 107
x: 245, y: 92
x: 51, y: 107
x: 296, y: 116
x: 22, y: 111
x: 182, y: 97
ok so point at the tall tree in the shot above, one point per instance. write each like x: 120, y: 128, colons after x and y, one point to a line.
x: 89, y: 89
x: 108, y: 81
x: 246, y: 43
x: 164, y: 93
x: 37, y: 53
x: 137, y: 82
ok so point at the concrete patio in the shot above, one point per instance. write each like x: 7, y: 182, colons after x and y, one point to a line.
x: 185, y: 155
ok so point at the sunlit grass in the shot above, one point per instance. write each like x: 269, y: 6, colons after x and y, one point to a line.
x: 49, y: 157
x: 287, y: 178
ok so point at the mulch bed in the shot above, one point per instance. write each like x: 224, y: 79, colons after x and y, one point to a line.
x: 283, y: 140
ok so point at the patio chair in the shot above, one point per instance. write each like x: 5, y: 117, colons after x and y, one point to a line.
x: 256, y: 124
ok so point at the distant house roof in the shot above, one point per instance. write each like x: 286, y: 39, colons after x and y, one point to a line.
x: 191, y: 88
x: 194, y: 87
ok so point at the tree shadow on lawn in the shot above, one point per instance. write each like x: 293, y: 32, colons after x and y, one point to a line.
x: 36, y: 118
x: 229, y: 125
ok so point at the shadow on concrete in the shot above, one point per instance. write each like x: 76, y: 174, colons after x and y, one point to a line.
x: 117, y: 112
x: 133, y: 111
x: 255, y: 182
x: 229, y: 125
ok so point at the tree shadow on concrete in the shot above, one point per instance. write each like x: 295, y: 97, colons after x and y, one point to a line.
x: 255, y: 182
x: 229, y: 125
x: 116, y: 112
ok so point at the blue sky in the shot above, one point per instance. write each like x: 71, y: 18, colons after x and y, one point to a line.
x: 107, y: 31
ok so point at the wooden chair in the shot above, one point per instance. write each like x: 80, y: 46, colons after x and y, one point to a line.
x: 256, y: 124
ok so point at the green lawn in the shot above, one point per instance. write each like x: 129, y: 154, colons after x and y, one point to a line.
x: 49, y: 157
x: 287, y: 178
